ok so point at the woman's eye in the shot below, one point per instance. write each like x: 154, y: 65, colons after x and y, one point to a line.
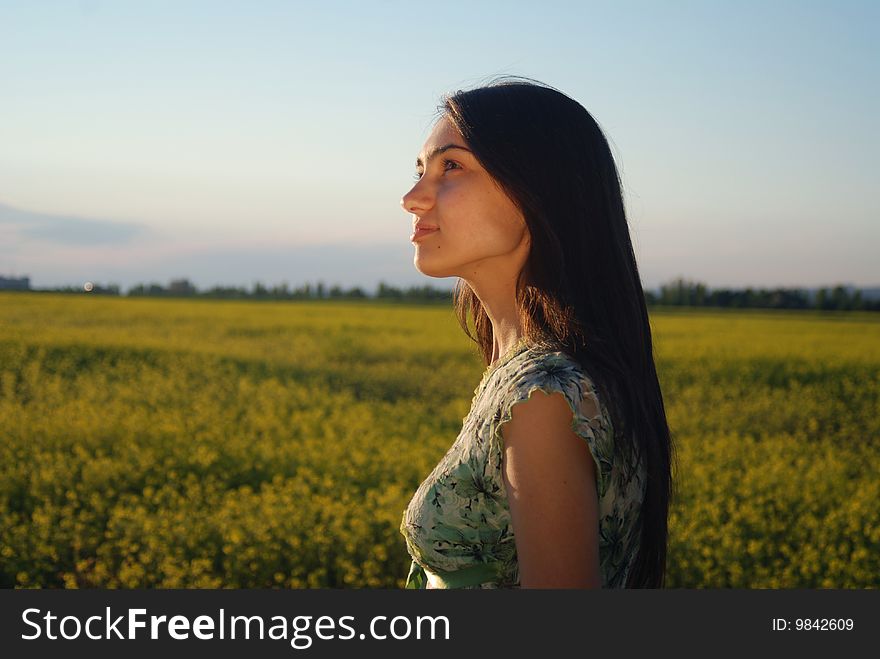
x: 447, y: 165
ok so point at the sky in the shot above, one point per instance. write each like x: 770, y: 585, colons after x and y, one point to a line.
x: 234, y: 142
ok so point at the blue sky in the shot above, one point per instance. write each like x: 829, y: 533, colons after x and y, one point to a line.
x: 230, y: 142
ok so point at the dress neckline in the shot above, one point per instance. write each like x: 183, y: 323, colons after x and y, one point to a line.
x: 512, y: 352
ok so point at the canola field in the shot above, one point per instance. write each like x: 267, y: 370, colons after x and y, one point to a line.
x: 205, y: 443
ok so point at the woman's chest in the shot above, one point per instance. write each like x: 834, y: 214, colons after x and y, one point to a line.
x: 459, y: 513
x: 466, y: 482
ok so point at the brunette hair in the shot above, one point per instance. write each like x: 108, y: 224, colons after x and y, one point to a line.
x: 580, y: 286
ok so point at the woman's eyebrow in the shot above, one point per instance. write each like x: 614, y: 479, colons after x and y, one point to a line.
x: 440, y: 149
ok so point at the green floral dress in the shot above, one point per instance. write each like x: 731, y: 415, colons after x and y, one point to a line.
x: 457, y: 526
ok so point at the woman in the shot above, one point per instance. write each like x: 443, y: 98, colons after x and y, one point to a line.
x: 566, y: 443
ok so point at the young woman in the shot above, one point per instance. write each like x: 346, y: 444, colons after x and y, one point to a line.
x: 561, y: 475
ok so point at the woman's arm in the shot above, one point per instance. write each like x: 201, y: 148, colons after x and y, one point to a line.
x: 550, y: 477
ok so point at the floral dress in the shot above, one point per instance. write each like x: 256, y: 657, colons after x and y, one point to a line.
x: 457, y: 526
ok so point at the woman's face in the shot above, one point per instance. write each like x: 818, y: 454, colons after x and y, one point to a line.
x: 480, y: 233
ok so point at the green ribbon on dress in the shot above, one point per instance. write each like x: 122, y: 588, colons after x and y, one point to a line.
x: 472, y: 575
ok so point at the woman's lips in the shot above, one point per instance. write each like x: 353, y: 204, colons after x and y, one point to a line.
x: 419, y: 233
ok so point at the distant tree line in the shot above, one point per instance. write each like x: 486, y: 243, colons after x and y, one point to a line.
x: 308, y: 291
x: 679, y: 292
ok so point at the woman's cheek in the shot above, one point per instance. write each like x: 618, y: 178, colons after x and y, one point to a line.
x: 454, y: 194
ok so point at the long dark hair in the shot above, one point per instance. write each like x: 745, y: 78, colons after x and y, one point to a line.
x: 580, y: 286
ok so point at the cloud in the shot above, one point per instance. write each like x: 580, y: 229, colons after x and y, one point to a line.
x: 66, y: 230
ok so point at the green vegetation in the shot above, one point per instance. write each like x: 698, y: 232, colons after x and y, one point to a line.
x: 677, y: 293
x: 193, y: 442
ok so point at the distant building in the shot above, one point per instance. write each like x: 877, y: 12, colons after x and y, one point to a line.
x: 15, y: 284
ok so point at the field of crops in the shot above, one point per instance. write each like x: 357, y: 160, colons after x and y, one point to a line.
x: 203, y: 443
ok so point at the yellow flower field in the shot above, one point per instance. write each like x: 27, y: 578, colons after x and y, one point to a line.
x: 205, y: 443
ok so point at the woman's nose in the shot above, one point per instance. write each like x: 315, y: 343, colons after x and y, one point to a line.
x: 416, y: 200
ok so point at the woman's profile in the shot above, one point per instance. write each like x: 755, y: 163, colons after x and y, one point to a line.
x: 561, y: 475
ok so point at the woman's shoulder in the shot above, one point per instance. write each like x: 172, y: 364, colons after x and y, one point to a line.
x: 547, y: 366
x: 545, y: 362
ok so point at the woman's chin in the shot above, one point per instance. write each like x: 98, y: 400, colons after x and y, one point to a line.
x: 429, y: 269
